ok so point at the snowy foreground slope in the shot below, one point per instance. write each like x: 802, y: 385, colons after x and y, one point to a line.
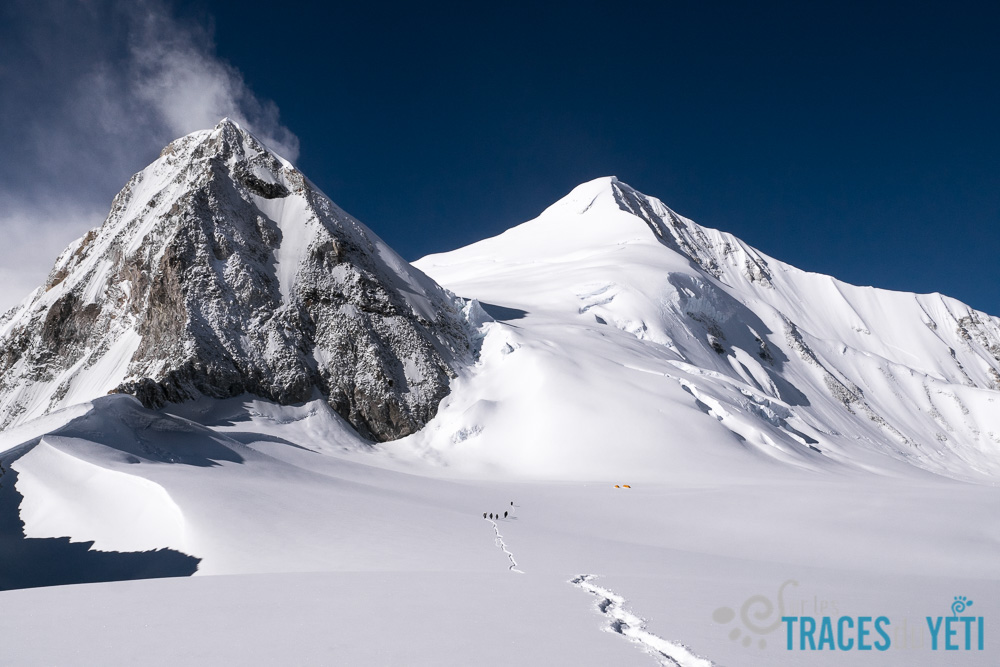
x: 791, y: 446
x: 338, y: 555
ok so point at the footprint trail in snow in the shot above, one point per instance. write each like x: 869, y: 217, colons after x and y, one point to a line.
x: 500, y: 543
x: 632, y: 627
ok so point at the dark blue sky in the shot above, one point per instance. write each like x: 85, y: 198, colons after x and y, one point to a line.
x: 855, y: 139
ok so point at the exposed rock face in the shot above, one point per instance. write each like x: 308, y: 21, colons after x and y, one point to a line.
x: 691, y: 239
x: 222, y: 270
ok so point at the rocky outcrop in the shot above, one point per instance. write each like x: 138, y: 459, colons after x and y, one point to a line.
x: 221, y: 270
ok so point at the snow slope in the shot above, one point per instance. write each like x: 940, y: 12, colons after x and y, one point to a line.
x: 336, y: 553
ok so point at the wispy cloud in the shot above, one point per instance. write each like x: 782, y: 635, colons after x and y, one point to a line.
x: 174, y: 74
x: 90, y: 91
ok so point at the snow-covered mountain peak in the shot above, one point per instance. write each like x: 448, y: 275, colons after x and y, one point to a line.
x: 603, y: 195
x: 221, y: 270
x: 816, y: 365
x: 605, y: 214
x: 584, y: 196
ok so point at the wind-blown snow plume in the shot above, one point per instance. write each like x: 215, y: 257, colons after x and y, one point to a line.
x: 92, y: 92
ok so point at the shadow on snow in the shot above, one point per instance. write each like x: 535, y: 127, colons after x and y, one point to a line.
x: 32, y: 562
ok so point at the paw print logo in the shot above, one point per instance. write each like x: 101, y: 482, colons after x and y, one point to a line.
x: 960, y: 604
x: 757, y: 615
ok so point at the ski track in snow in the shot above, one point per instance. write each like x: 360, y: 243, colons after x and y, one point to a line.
x: 500, y: 543
x: 632, y: 627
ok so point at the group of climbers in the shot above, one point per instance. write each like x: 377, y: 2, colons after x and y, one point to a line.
x: 496, y: 517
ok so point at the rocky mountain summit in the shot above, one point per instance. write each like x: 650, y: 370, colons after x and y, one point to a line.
x: 221, y: 270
